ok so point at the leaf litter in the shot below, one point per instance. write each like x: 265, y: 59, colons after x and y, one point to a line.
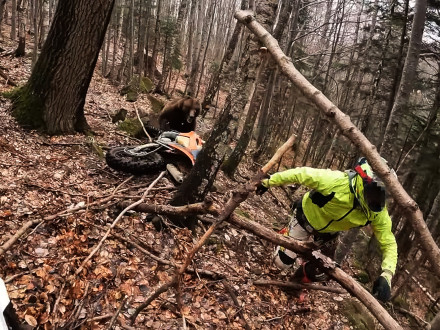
x: 42, y: 176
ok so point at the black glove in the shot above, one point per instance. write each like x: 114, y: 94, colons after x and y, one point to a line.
x: 261, y: 189
x: 381, y: 289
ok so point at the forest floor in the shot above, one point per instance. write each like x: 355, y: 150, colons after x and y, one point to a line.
x: 42, y: 176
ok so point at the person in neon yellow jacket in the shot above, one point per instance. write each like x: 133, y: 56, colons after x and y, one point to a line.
x: 339, y: 201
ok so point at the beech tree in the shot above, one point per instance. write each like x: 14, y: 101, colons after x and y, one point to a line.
x: 54, y: 96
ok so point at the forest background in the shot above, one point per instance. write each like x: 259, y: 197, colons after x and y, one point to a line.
x: 369, y: 58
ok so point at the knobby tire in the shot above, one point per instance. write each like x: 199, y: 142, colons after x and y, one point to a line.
x: 118, y: 159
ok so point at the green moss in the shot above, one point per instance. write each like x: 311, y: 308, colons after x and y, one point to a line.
x: 357, y: 315
x: 131, y: 126
x: 401, y: 301
x: 242, y: 213
x: 27, y: 108
x: 156, y: 104
x: 96, y: 148
x: 132, y: 96
x: 145, y: 85
x: 363, y: 277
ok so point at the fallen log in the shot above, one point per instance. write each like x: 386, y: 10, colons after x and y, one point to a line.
x: 300, y: 286
x: 329, y: 266
x: 197, y: 208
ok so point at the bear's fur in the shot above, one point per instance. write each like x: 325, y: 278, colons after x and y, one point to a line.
x: 180, y: 115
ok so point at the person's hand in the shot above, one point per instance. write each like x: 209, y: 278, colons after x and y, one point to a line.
x: 382, y: 288
x: 261, y: 189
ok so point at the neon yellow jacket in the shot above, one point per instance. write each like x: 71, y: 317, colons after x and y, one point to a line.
x: 331, y: 207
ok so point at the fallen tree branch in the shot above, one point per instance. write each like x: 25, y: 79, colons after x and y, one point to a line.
x: 14, y: 238
x: 142, y: 124
x: 101, y: 242
x: 338, y: 274
x: 419, y: 320
x: 197, y: 208
x: 236, y: 303
x: 115, y: 316
x: 300, y: 286
x: 334, y: 114
x: 8, y: 79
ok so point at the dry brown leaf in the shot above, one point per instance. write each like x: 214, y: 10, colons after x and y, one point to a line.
x: 31, y: 320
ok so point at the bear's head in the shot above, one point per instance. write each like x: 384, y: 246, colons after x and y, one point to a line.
x: 191, y: 107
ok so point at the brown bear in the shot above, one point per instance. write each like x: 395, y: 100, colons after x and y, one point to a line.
x: 180, y: 115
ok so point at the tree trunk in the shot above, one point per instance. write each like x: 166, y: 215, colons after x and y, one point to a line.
x: 435, y: 323
x: 21, y: 10
x: 2, y: 12
x: 210, y: 18
x: 154, y: 53
x: 388, y: 146
x: 54, y: 96
x: 266, y: 12
x: 199, y: 41
x: 131, y: 42
x: 14, y: 20
x: 234, y: 159
x: 192, y: 24
x: 199, y: 181
x: 36, y: 13
x: 219, y: 75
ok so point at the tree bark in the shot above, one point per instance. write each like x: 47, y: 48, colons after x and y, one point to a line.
x: 54, y: 96
x: 435, y: 323
x: 199, y: 181
x: 408, y: 205
x: 406, y: 84
x: 214, y: 86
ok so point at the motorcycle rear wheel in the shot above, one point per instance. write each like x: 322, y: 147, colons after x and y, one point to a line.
x: 119, y: 159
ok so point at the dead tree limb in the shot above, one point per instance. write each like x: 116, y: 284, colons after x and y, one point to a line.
x: 338, y: 274
x: 421, y: 322
x: 115, y: 316
x: 8, y: 79
x: 197, y: 208
x: 300, y: 286
x: 236, y: 302
x: 334, y: 114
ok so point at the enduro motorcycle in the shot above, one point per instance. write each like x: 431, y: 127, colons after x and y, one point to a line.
x: 168, y: 147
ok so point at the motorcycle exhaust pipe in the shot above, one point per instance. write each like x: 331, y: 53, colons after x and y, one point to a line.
x: 175, y: 173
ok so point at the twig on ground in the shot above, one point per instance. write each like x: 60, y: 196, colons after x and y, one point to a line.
x: 13, y: 277
x: 418, y: 319
x: 11, y: 241
x: 115, y: 316
x: 142, y: 124
x: 236, y: 303
x: 197, y: 208
x: 127, y: 136
x: 100, y: 318
x: 98, y: 247
x: 55, y: 306
x: 121, y: 184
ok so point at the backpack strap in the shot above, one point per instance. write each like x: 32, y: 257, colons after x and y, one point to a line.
x: 351, y: 175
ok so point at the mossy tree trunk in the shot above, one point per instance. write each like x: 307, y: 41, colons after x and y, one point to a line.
x: 54, y: 96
